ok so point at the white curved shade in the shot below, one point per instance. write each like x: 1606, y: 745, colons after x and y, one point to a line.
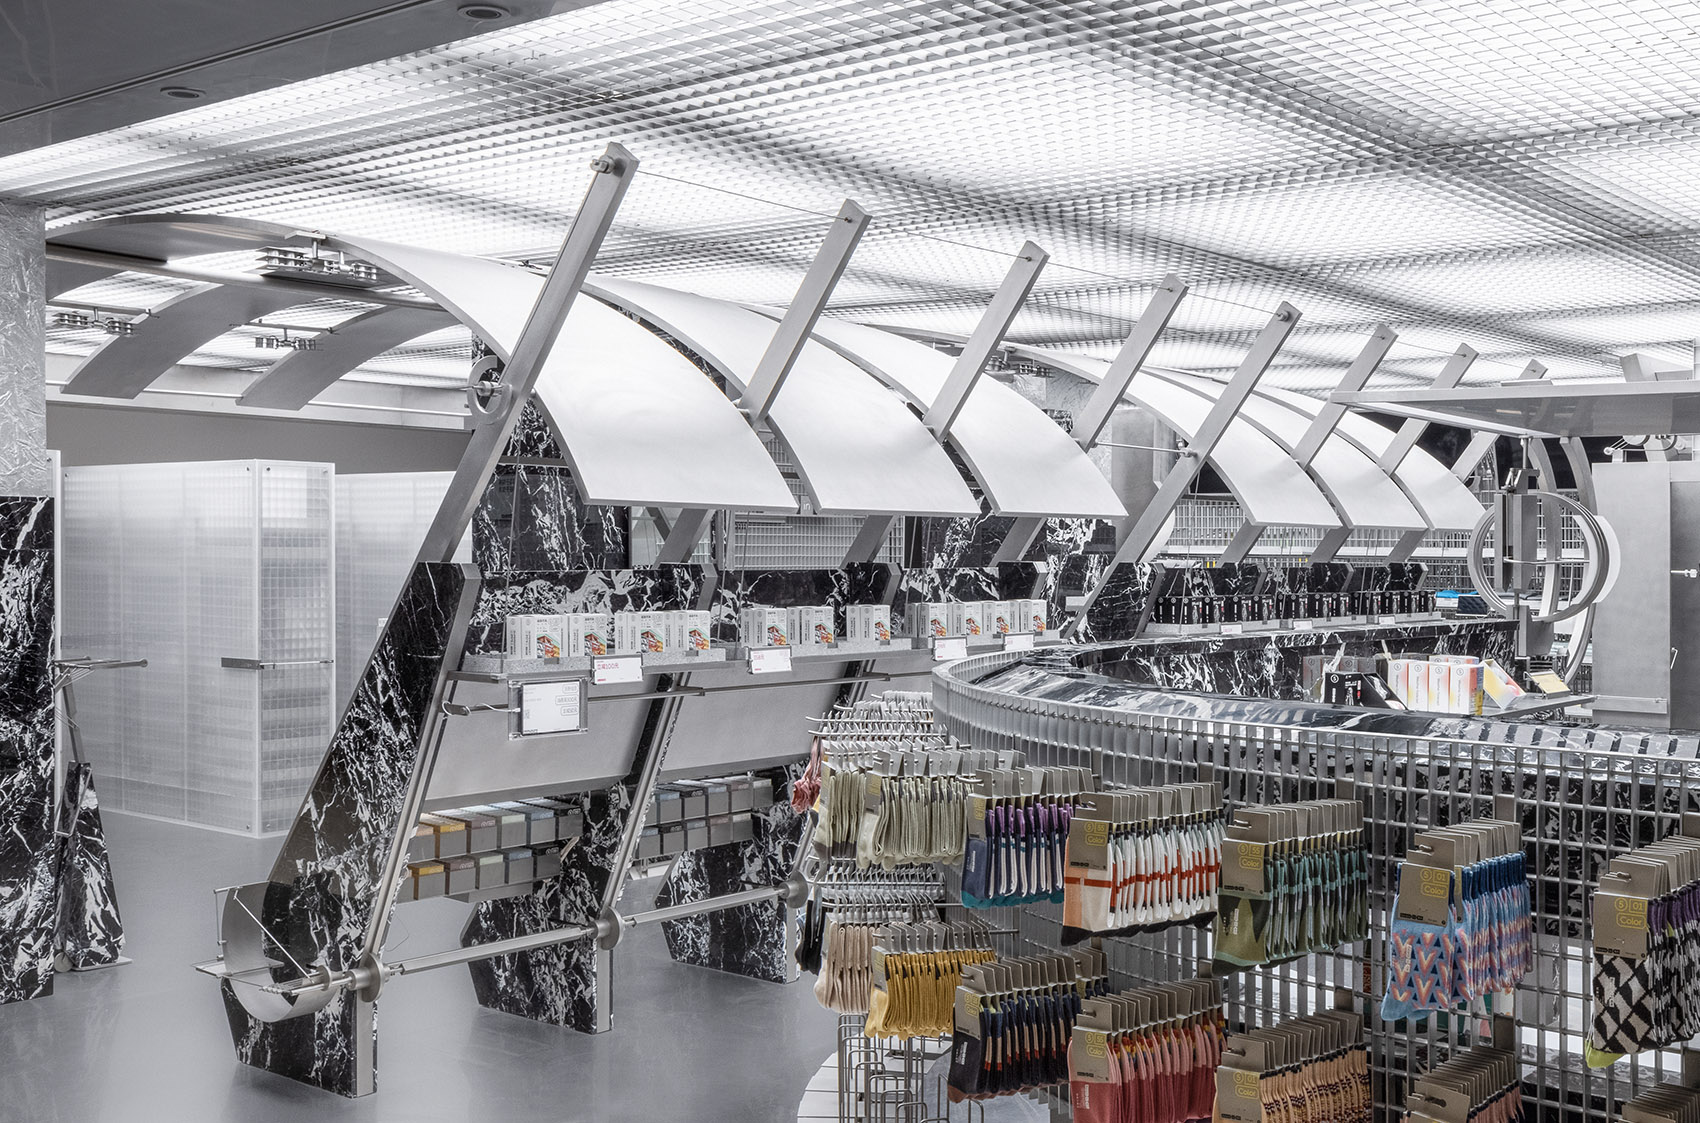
x: 639, y: 423
x: 858, y: 448
x: 1027, y: 466
x: 1271, y: 488
x: 1362, y: 493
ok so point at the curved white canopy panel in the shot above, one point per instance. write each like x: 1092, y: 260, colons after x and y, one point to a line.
x: 1361, y: 491
x: 1027, y: 466
x: 1442, y: 497
x: 857, y: 447
x: 1271, y: 488
x: 638, y: 422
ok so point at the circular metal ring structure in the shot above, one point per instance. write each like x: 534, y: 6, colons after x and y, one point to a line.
x: 1597, y: 559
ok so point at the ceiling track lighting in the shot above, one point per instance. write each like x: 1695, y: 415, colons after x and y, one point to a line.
x: 85, y: 321
x: 283, y: 341
x: 313, y: 264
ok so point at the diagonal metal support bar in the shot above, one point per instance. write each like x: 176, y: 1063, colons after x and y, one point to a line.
x: 1204, y: 441
x: 1089, y: 425
x: 1409, y: 433
x: 614, y: 171
x: 865, y: 547
x: 1239, y: 546
x: 682, y: 537
x: 1481, y: 442
x: 1322, y: 427
x: 1016, y: 541
x: 988, y: 333
x: 1333, y: 540
x: 847, y: 229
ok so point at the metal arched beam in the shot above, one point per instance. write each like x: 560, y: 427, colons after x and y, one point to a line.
x: 301, y: 376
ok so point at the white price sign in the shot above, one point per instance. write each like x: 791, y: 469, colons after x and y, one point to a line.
x: 1232, y: 629
x: 1018, y: 641
x: 551, y: 707
x: 770, y: 660
x: 953, y: 647
x: 617, y: 668
x: 1304, y: 625
x: 1387, y: 620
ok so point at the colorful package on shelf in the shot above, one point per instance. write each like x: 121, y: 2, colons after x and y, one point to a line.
x: 1018, y: 835
x: 1295, y: 879
x: 916, y: 969
x: 1141, y: 859
x: 1303, y: 1070
x: 1646, y: 917
x: 1013, y: 1018
x: 1148, y: 1055
x: 1462, y: 933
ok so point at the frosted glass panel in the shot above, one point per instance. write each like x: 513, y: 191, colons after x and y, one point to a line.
x: 184, y: 565
x: 381, y: 520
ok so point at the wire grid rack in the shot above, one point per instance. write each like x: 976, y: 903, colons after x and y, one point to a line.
x: 797, y: 541
x: 1580, y: 803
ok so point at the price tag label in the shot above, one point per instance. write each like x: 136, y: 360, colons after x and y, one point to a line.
x: 1387, y: 620
x: 618, y: 668
x: 1232, y: 629
x: 1304, y: 625
x: 1018, y: 641
x: 953, y: 647
x: 770, y: 660
x: 551, y: 707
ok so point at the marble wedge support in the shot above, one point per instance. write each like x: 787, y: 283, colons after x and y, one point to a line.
x: 334, y: 877
x: 29, y: 850
x: 90, y: 930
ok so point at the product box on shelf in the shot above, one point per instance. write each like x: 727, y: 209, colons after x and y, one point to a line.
x: 810, y: 626
x: 868, y: 622
x: 492, y: 871
x: 1032, y: 615
x: 640, y: 633
x: 522, y: 865
x: 536, y: 636
x: 1000, y: 617
x: 929, y: 620
x: 763, y: 627
x: 589, y: 633
x: 430, y: 879
x: 968, y: 618
x: 696, y: 631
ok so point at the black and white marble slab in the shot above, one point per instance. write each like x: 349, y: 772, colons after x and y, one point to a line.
x: 325, y: 884
x: 749, y: 940
x: 1120, y: 604
x: 29, y: 852
x: 91, y: 931
x: 737, y: 589
x: 654, y: 589
x: 1005, y: 581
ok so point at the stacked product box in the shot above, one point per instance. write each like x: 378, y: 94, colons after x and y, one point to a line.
x: 1446, y: 684
x: 693, y: 814
x: 810, y: 626
x: 558, y: 635
x: 867, y: 622
x: 488, y: 847
x: 976, y: 620
x: 764, y: 627
x: 675, y: 632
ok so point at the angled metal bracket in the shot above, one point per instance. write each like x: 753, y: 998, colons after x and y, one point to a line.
x: 865, y: 547
x: 1089, y: 424
x: 1333, y: 539
x: 1239, y: 546
x: 682, y: 537
x: 1481, y: 442
x: 614, y: 171
x: 1143, y: 535
x: 988, y: 333
x: 1019, y: 537
x: 848, y: 226
x: 1406, y: 438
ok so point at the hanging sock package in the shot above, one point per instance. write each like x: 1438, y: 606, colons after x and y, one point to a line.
x: 1017, y: 825
x: 1295, y: 880
x: 1646, y: 984
x: 1479, y: 1085
x: 1013, y: 1020
x: 1142, y: 859
x: 1148, y: 1055
x: 1302, y: 1070
x: 1462, y: 931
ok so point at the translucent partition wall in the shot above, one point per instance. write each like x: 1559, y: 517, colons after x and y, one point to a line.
x: 222, y: 576
x: 380, y: 521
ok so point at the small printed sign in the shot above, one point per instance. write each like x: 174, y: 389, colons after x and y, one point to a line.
x: 618, y: 668
x: 1018, y: 641
x: 1387, y: 620
x: 551, y: 707
x: 1232, y: 629
x: 952, y: 647
x: 1304, y: 625
x: 770, y: 660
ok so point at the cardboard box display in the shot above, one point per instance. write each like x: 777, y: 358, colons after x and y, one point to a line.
x: 968, y: 619
x: 930, y: 620
x: 763, y: 627
x: 868, y: 622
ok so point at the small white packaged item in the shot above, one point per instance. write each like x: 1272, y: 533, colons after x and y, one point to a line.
x: 1417, y: 682
x: 868, y: 622
x: 695, y: 632
x: 652, y: 633
x: 1000, y: 617
x: 1466, y: 687
x: 1032, y: 616
x: 1398, y: 681
x: 589, y: 633
x: 929, y: 620
x: 763, y: 627
x: 968, y: 619
x: 1439, y: 686
x: 536, y: 636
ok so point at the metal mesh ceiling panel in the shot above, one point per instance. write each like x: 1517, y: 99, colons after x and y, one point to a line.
x: 1522, y: 175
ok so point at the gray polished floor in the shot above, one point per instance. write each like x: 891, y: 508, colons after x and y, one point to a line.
x: 148, y: 1041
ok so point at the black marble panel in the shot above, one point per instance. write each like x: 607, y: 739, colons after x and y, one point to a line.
x: 936, y: 543
x: 531, y: 518
x: 750, y: 939
x: 29, y: 853
x: 858, y: 583
x: 555, y: 984
x: 91, y: 932
x: 654, y: 589
x: 1006, y: 581
x: 326, y: 881
x: 1120, y: 605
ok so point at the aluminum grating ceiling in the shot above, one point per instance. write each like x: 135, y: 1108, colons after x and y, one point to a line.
x: 1521, y: 175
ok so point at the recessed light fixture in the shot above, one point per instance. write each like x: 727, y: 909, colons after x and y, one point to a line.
x: 183, y: 93
x: 484, y: 13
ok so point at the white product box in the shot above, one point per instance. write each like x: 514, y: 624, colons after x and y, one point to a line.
x: 1000, y: 617
x: 1398, y: 679
x: 1032, y: 614
x: 652, y: 633
x: 763, y: 627
x: 868, y: 622
x: 812, y: 626
x: 536, y: 636
x: 968, y: 619
x: 1466, y: 688
x: 589, y: 633
x: 695, y: 634
x: 672, y: 631
x: 1499, y: 684
x: 1439, y: 687
x: 1417, y: 682
x: 929, y: 620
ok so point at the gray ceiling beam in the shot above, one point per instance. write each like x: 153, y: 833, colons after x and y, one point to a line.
x: 301, y: 376
x: 988, y: 333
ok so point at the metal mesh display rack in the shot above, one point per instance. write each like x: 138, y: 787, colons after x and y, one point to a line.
x: 1579, y: 806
